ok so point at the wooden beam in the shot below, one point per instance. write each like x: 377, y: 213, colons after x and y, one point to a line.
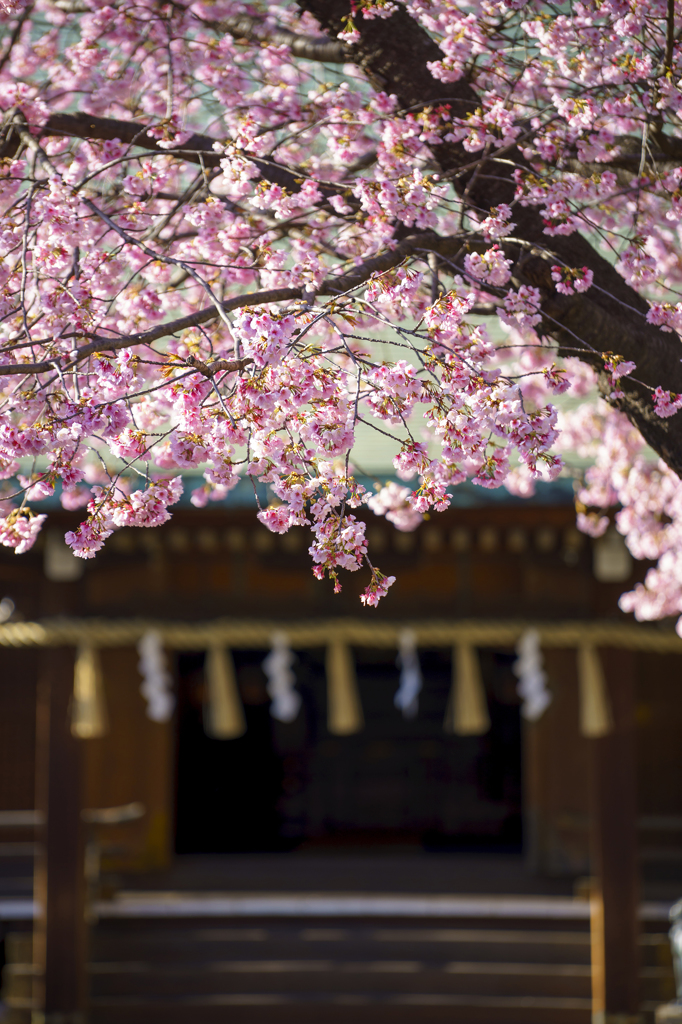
x: 615, y: 899
x: 60, y: 932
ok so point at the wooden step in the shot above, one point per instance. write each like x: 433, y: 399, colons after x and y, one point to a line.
x: 333, y: 941
x: 326, y: 969
x: 319, y: 977
x: 358, y: 1008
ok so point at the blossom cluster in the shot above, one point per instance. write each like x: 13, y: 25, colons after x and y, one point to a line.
x: 648, y: 497
x: 217, y: 263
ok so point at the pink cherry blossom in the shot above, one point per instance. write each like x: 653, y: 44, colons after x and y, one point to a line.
x: 19, y: 531
x: 217, y: 260
x: 377, y: 588
x: 666, y: 403
x: 276, y: 519
x: 568, y: 281
x: 392, y: 501
x: 492, y: 266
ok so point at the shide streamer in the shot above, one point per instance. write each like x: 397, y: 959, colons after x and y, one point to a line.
x: 234, y: 235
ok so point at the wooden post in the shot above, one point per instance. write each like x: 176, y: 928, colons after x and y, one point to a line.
x: 60, y: 930
x: 615, y: 900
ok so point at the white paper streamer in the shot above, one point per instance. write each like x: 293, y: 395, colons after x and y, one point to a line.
x: 407, y: 695
x: 156, y: 679
x: 286, y: 700
x: 532, y: 686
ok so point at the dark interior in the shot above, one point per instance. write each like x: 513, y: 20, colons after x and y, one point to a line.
x: 398, y: 782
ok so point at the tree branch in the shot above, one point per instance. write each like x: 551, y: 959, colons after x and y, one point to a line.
x: 246, y: 27
x: 317, y: 48
x: 25, y: 14
x: 413, y: 245
x: 202, y: 316
x: 421, y: 243
x: 198, y: 149
x: 664, y: 152
x: 217, y: 366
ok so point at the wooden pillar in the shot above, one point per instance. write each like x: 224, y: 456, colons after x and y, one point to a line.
x: 60, y: 930
x: 615, y: 900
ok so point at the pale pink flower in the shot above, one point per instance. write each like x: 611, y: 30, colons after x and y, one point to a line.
x: 392, y: 501
x: 277, y: 518
x: 377, y: 588
x: 20, y: 531
x: 666, y: 403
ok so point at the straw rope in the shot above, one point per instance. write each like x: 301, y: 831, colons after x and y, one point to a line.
x: 362, y: 633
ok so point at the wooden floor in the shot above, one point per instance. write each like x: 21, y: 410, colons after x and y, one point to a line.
x: 408, y: 869
x: 389, y: 868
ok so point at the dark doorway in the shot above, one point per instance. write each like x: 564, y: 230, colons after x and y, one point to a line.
x: 227, y: 790
x: 397, y: 782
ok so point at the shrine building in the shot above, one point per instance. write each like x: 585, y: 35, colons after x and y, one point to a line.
x: 247, y: 710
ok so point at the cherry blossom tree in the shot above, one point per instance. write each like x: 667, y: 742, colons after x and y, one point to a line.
x: 233, y: 234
